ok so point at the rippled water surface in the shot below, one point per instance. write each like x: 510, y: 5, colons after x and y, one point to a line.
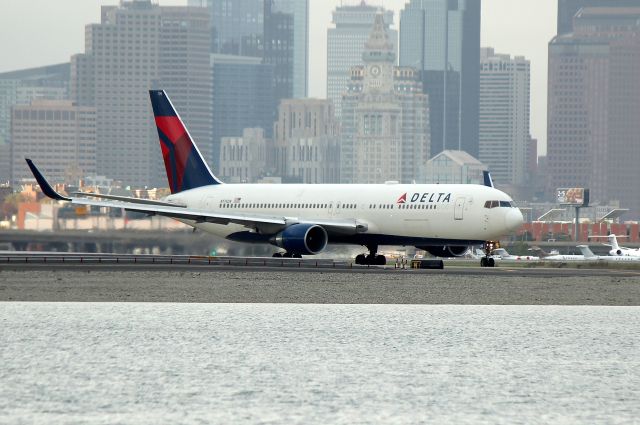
x: 346, y: 364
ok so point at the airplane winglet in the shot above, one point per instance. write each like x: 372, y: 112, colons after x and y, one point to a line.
x: 44, y: 184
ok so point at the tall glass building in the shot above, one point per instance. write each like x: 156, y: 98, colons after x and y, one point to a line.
x: 243, y: 97
x: 286, y: 35
x: 275, y: 30
x: 442, y: 39
x: 236, y: 26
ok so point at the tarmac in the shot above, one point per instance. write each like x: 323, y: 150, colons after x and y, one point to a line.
x: 204, y: 283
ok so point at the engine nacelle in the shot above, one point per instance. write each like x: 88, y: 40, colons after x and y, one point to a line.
x: 445, y: 251
x: 617, y: 252
x: 305, y: 239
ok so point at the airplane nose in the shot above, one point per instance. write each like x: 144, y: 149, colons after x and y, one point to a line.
x: 513, y: 220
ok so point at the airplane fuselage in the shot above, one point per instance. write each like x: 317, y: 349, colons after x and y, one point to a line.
x: 383, y: 213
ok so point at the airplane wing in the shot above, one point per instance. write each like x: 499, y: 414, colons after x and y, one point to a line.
x: 256, y: 221
x: 128, y: 199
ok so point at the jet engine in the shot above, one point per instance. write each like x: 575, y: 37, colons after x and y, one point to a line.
x: 445, y: 251
x: 305, y: 239
x: 617, y: 252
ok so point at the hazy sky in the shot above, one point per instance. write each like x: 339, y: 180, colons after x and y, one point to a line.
x: 42, y: 32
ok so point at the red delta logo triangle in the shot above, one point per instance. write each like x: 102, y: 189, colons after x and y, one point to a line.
x: 402, y: 199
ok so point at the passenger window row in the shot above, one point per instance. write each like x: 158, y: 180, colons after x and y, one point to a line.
x: 284, y: 206
x: 418, y: 207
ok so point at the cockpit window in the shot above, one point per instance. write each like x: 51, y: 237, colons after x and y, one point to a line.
x: 492, y: 204
x: 496, y: 204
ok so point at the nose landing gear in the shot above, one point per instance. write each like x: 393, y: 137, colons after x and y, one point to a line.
x: 487, y: 260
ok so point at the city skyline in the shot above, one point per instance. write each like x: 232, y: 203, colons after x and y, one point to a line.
x: 517, y: 27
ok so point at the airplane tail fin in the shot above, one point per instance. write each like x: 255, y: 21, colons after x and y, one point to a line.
x: 613, y: 240
x: 488, y: 181
x: 586, y: 251
x: 539, y: 251
x: 186, y: 169
x: 501, y: 252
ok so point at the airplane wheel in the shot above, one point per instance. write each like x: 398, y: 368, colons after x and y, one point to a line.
x: 491, y: 262
x: 287, y: 255
x: 381, y: 260
x: 277, y: 255
x: 361, y: 259
x: 483, y: 262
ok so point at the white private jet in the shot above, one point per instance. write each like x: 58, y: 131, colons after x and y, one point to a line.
x: 617, y: 250
x: 443, y: 219
x: 590, y: 256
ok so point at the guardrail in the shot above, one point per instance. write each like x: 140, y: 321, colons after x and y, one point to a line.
x: 149, y: 259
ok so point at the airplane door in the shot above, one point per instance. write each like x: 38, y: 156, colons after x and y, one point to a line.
x: 459, y: 209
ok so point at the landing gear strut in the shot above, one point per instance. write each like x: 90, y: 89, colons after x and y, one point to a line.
x: 372, y: 259
x: 487, y: 260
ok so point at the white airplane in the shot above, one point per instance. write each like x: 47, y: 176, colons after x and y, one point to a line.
x: 590, y: 256
x: 502, y: 254
x: 618, y: 250
x: 443, y: 219
x: 564, y: 257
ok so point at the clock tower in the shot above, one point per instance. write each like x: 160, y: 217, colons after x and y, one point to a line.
x: 384, y: 117
x: 379, y: 58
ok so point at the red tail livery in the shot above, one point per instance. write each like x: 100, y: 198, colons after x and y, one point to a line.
x: 186, y: 169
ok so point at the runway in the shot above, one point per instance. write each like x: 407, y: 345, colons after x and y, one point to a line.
x: 267, y: 280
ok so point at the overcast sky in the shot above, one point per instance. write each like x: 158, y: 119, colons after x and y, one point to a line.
x: 42, y: 32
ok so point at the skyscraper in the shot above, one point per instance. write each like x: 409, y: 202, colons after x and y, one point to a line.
x: 286, y: 45
x: 275, y: 30
x: 385, y: 119
x: 345, y: 45
x: 504, y: 116
x: 237, y: 26
x: 442, y: 39
x: 20, y: 87
x: 568, y: 8
x: 137, y: 46
x: 58, y: 135
x: 594, y: 105
x: 243, y: 97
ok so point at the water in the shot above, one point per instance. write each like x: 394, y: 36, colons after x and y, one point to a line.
x: 132, y: 363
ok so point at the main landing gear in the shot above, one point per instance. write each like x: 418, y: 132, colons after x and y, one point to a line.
x: 372, y: 259
x: 487, y: 260
x: 286, y: 255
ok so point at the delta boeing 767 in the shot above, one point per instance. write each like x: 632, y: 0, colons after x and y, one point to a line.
x: 302, y: 219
